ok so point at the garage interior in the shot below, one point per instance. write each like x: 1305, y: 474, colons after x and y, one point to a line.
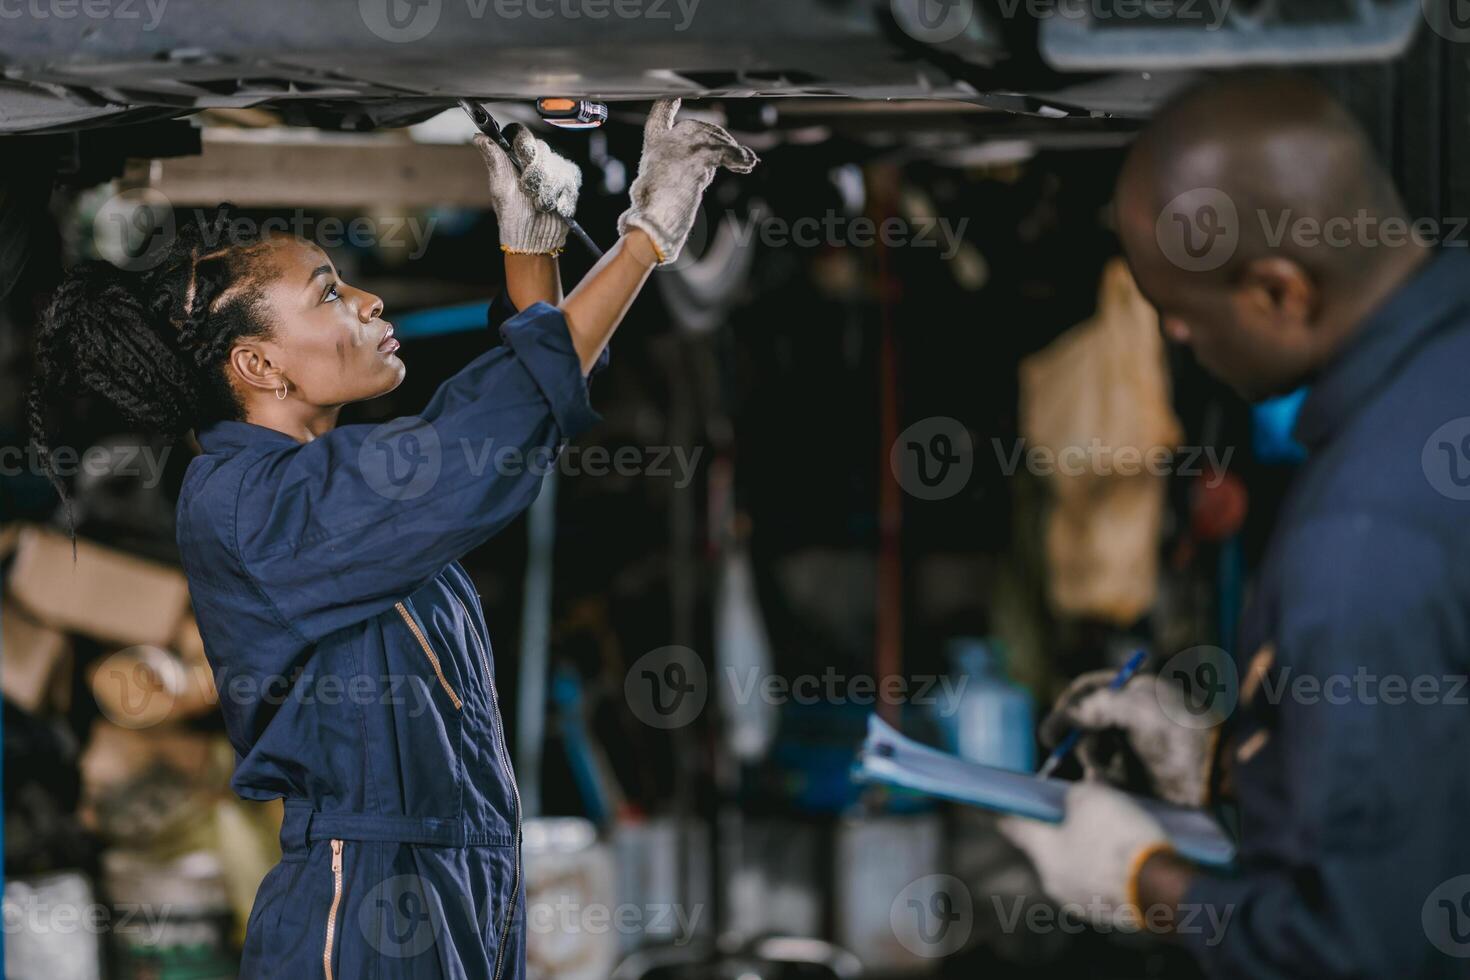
x: 830, y: 484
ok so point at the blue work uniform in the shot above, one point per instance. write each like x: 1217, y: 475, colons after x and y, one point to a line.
x: 354, y: 668
x: 1349, y: 752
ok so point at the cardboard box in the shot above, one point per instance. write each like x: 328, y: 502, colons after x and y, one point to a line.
x: 154, y: 783
x: 62, y: 681
x: 144, y: 686
x: 105, y: 594
x: 32, y: 657
x: 189, y: 644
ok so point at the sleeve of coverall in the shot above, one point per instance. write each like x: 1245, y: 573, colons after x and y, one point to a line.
x: 338, y: 530
x: 1353, y: 835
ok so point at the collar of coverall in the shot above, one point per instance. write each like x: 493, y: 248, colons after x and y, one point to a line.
x: 230, y: 436
x: 1418, y: 309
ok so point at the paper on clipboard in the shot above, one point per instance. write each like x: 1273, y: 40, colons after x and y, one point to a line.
x: 888, y: 757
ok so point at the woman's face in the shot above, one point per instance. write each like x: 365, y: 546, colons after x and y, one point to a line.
x: 329, y: 340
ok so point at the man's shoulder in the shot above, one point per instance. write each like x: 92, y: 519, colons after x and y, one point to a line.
x: 1348, y: 568
x: 1400, y: 466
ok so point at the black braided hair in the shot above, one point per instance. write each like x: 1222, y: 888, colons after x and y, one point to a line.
x: 154, y: 343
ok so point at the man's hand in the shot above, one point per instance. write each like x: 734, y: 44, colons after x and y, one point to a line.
x: 1092, y: 859
x: 531, y: 206
x: 1177, y: 756
x: 678, y: 163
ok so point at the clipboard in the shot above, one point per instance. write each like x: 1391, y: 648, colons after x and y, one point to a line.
x: 890, y: 758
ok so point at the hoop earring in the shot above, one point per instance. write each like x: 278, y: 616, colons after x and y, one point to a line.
x: 281, y: 392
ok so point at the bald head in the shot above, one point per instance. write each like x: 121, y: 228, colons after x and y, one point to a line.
x: 1288, y: 158
x: 1255, y: 214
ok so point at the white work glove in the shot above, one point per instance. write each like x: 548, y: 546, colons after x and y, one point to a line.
x: 531, y: 205
x: 1175, y: 755
x: 1090, y: 861
x: 679, y: 161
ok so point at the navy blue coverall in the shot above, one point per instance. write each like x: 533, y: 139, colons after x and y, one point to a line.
x: 354, y: 668
x: 1350, y: 750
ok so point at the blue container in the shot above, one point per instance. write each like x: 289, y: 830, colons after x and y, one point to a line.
x: 990, y: 720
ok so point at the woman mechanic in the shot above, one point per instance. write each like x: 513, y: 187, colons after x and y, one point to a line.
x: 322, y: 559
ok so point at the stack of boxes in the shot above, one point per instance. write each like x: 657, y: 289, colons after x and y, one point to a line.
x: 182, y: 856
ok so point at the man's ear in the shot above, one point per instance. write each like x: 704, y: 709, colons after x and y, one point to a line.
x: 253, y: 368
x: 1280, y: 290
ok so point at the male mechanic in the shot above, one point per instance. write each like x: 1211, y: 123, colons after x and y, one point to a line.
x: 1348, y: 752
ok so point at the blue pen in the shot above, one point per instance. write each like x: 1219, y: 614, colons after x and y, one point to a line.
x: 1069, y: 742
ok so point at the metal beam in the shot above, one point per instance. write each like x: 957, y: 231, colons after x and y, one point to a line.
x: 300, y: 168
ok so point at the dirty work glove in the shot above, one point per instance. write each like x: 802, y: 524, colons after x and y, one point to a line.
x: 1092, y: 858
x: 530, y: 206
x: 1175, y: 754
x: 679, y: 161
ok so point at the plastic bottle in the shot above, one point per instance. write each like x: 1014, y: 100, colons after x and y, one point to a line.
x: 992, y: 719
